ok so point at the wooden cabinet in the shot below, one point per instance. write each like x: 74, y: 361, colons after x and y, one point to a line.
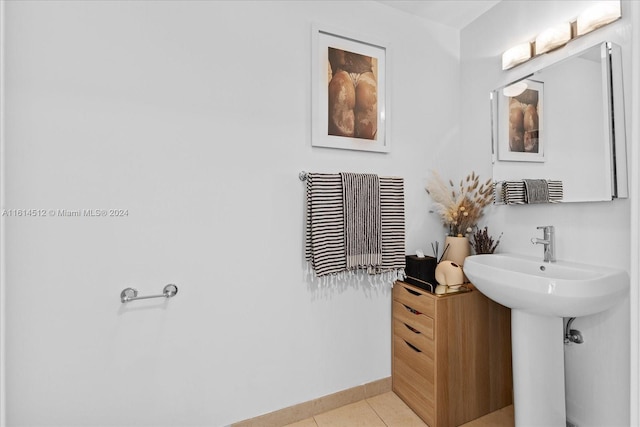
x: 451, y: 354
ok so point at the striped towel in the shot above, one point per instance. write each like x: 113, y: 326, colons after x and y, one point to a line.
x: 536, y: 191
x: 362, y: 222
x: 515, y: 192
x: 325, y: 245
x: 392, y: 219
x: 556, y: 192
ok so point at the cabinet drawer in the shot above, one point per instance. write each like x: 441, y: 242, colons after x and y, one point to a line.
x: 408, y: 315
x: 417, y: 401
x: 423, y: 408
x: 419, y: 368
x: 415, y: 298
x: 413, y: 379
x: 414, y: 337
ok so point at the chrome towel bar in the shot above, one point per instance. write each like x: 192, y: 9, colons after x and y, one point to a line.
x: 130, y: 294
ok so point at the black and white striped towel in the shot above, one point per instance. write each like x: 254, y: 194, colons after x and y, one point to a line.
x: 556, y: 191
x: 514, y: 192
x: 325, y: 247
x: 392, y: 219
x: 362, y: 221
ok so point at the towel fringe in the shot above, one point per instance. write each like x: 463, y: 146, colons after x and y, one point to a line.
x: 374, y: 278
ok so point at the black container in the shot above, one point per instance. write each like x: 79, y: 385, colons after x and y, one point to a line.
x: 421, y: 272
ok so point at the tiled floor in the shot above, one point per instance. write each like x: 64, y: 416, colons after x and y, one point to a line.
x: 388, y: 410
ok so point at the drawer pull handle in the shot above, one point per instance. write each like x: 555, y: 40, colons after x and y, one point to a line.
x: 413, y: 347
x: 416, y: 293
x: 411, y: 309
x: 414, y: 330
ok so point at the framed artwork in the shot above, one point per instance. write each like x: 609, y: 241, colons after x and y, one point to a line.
x: 520, y: 121
x: 349, y: 92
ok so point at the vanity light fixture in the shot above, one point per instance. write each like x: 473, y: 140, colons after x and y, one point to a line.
x: 553, y: 38
x: 602, y: 13
x: 516, y: 55
x: 596, y: 16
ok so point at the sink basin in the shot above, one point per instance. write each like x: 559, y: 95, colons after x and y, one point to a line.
x: 560, y: 289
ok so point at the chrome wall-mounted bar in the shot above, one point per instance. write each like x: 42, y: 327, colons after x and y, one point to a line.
x: 303, y: 176
x: 130, y: 294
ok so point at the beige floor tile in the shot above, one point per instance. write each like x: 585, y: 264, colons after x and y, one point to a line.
x: 353, y: 415
x: 501, y: 418
x: 394, y: 412
x: 309, y: 422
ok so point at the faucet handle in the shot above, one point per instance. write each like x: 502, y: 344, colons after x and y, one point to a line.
x: 545, y: 227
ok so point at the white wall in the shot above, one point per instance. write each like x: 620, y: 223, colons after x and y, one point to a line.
x: 3, y: 393
x: 635, y: 222
x: 597, y: 371
x: 194, y: 116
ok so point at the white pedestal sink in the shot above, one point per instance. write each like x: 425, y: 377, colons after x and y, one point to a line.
x: 540, y: 294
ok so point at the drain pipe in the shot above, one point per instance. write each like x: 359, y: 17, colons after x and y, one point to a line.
x: 572, y: 335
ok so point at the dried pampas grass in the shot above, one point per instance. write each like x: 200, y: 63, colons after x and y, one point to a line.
x: 460, y: 208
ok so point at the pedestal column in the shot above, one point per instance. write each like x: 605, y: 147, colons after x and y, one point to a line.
x: 538, y: 370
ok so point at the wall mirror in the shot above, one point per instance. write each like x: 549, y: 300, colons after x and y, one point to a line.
x: 565, y: 122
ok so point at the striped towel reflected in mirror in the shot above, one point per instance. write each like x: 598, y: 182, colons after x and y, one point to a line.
x: 515, y: 192
x: 355, y: 222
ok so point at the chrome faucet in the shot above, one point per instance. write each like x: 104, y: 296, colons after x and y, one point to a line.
x: 549, y: 242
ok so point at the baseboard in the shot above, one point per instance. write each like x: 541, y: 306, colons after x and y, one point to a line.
x: 314, y: 407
